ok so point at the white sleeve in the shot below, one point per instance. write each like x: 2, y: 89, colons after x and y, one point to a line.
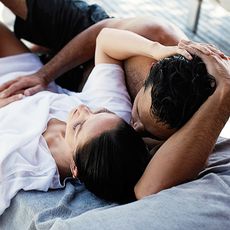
x: 106, y: 87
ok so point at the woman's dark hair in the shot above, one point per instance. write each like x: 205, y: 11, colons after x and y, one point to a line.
x: 111, y: 164
x: 178, y: 88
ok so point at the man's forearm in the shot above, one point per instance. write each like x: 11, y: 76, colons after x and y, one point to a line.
x: 79, y: 50
x: 184, y: 154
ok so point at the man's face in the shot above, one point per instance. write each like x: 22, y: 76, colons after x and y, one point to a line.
x: 144, y: 122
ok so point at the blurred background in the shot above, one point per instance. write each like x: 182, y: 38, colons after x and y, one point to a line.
x: 213, y: 23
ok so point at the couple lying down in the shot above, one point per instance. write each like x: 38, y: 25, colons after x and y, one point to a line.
x: 56, y: 133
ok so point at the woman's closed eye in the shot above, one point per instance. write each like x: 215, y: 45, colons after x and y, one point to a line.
x: 77, y: 124
x: 102, y: 110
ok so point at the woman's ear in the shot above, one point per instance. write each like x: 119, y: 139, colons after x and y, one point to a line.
x: 73, y: 169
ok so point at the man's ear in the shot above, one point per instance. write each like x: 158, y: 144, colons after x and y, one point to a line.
x: 73, y: 169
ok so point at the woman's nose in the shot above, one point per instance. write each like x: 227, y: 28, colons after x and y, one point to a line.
x: 84, y: 110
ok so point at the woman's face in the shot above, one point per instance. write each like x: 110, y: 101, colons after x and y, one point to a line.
x: 84, y: 124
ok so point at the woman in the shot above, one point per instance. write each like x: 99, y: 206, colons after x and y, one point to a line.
x: 42, y: 143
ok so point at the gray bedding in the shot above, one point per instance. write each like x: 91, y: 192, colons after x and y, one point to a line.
x: 201, y: 204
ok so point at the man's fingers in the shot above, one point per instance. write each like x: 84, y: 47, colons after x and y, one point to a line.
x: 215, y: 50
x: 226, y: 57
x: 207, y: 49
x: 203, y: 49
x: 33, y: 90
x: 6, y: 85
x: 13, y: 88
x: 10, y: 90
x: 185, y: 42
x: 194, y: 51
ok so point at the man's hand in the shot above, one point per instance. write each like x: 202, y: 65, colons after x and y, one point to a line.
x: 27, y: 85
x: 183, y: 48
x: 8, y: 100
x: 217, y: 64
x: 171, y: 166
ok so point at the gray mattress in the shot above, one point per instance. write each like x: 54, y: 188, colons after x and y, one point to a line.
x: 200, y: 204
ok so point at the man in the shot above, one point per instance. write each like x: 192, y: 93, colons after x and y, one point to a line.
x: 197, y: 144
x: 62, y: 62
x: 177, y: 160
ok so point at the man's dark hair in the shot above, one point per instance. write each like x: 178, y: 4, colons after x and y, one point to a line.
x: 111, y: 164
x: 178, y: 88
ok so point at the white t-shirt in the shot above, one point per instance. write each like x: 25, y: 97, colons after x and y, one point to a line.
x: 25, y: 160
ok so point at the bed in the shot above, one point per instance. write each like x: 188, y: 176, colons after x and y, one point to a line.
x: 200, y: 204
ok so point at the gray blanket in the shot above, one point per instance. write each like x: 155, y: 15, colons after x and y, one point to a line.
x: 200, y: 204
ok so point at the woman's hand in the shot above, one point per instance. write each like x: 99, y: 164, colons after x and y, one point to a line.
x: 160, y: 51
x: 28, y: 85
x: 8, y: 100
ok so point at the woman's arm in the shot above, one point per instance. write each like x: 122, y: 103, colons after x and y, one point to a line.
x: 185, y: 153
x: 114, y: 46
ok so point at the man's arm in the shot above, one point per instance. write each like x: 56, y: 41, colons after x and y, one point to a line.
x: 185, y: 153
x: 82, y: 49
x: 76, y: 52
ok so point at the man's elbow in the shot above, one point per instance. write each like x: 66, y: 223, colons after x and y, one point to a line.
x: 141, y: 192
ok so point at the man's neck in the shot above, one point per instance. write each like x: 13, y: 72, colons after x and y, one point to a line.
x: 136, y: 70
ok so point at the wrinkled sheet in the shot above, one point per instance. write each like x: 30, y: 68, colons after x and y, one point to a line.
x: 200, y: 204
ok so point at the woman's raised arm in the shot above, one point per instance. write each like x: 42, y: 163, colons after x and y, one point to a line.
x: 114, y: 46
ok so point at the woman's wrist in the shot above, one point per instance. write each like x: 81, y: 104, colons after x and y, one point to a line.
x: 160, y: 51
